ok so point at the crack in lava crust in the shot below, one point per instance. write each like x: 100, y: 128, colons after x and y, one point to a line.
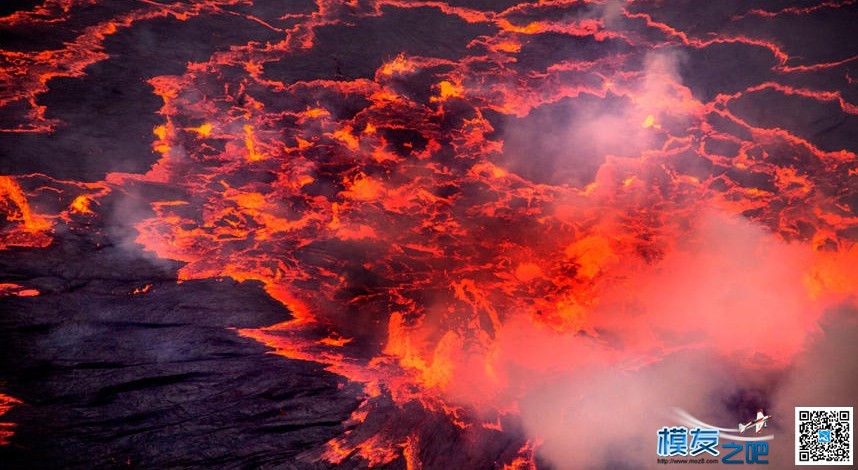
x: 418, y: 248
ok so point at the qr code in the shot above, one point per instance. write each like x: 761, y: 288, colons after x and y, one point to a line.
x: 823, y: 435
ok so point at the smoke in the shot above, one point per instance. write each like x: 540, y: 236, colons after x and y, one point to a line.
x: 127, y: 215
x: 694, y: 331
x: 826, y: 374
x: 565, y: 143
x: 593, y: 417
x: 723, y: 288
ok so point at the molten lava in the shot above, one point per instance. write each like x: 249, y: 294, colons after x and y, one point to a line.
x: 424, y: 256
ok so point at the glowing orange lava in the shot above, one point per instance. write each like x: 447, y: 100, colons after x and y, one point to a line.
x: 417, y: 261
x: 6, y: 429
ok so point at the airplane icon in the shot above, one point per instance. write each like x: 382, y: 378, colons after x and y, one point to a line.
x: 759, y: 423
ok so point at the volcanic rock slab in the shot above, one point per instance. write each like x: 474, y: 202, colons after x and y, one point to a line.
x: 156, y: 379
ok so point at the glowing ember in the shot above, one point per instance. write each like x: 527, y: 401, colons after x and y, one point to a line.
x: 15, y: 289
x: 6, y: 429
x: 25, y: 227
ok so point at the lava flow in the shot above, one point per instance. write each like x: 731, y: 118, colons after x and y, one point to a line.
x: 492, y: 220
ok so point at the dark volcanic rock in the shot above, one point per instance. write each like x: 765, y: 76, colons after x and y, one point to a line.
x: 106, y: 117
x: 152, y: 380
x: 347, y: 52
